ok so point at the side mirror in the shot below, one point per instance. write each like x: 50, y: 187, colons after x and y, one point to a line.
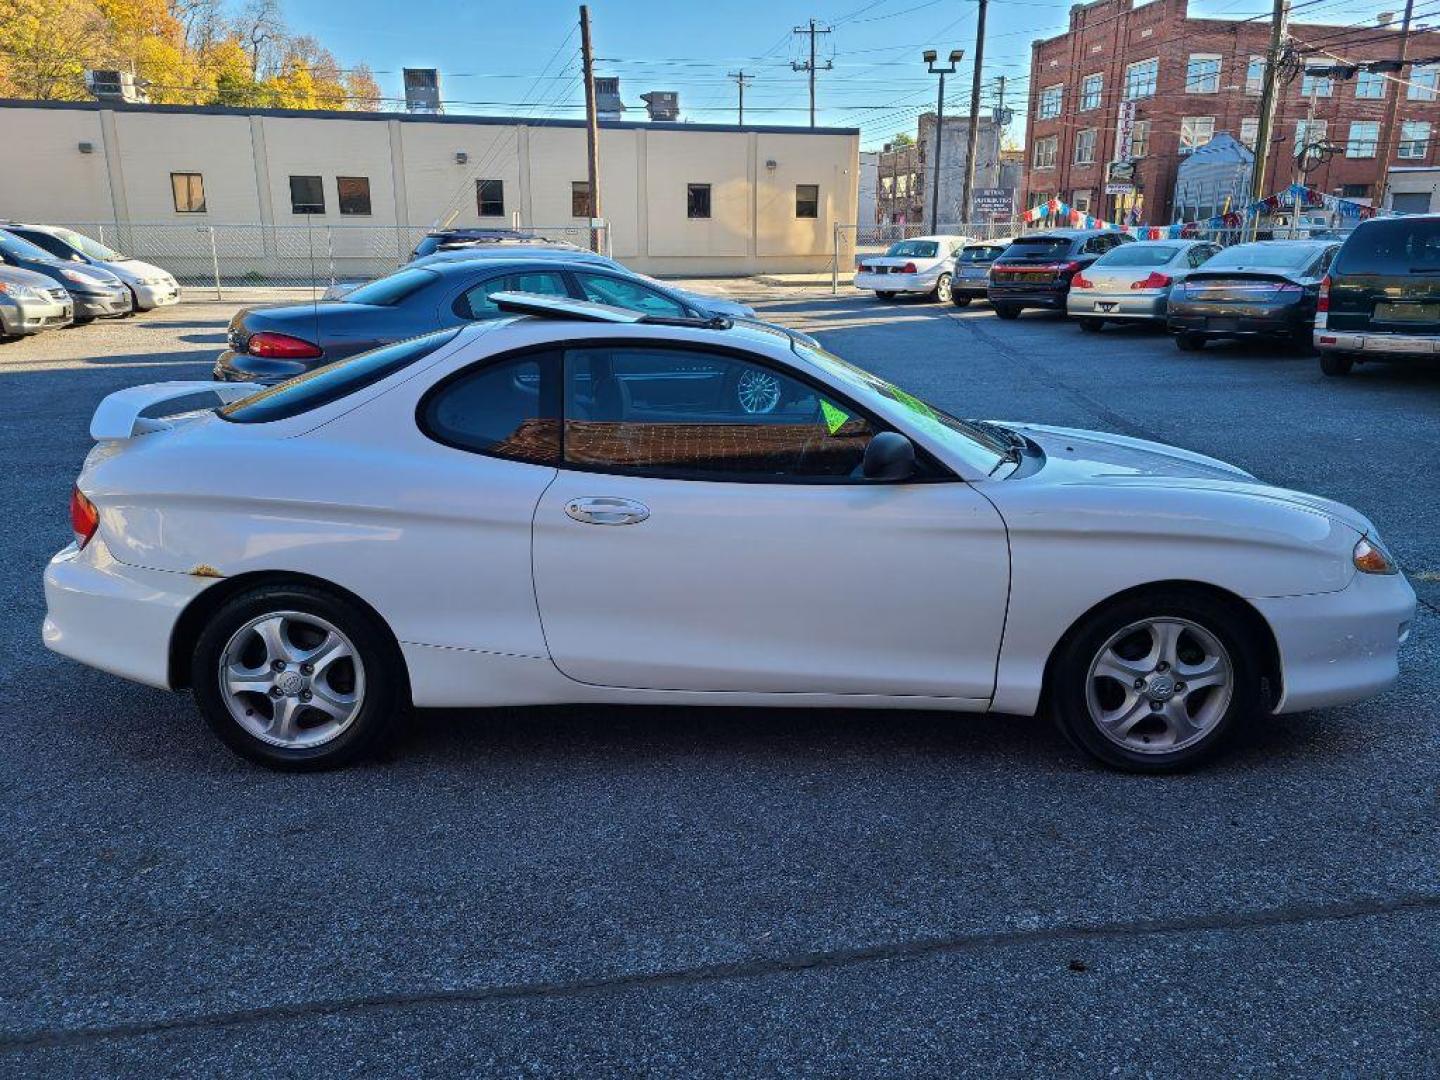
x: 889, y: 456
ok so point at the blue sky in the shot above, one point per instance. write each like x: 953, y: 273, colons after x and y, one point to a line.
x: 490, y: 54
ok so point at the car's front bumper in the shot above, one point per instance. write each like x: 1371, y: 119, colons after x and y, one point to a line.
x: 115, y: 617
x: 1110, y: 305
x: 1339, y: 647
x: 922, y: 283
x: 1376, y: 346
x: 149, y: 297
x: 26, y: 316
x: 90, y: 305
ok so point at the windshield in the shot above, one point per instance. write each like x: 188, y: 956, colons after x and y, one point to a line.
x: 23, y: 249
x: 389, y: 291
x: 1139, y: 255
x: 974, y: 443
x: 1273, y: 253
x: 1039, y: 247
x: 914, y: 249
x: 93, y: 248
x: 979, y: 254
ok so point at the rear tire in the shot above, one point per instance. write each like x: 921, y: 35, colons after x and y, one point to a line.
x: 1007, y: 311
x: 884, y: 295
x: 1335, y: 364
x: 298, y: 678
x: 1190, y: 342
x: 1167, y: 723
x: 1090, y: 325
x: 958, y: 300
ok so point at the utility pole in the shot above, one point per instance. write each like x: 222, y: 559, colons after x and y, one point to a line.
x: 974, y: 132
x: 1387, y: 134
x: 929, y: 56
x: 809, y: 66
x: 741, y: 79
x: 1268, y: 96
x: 592, y: 126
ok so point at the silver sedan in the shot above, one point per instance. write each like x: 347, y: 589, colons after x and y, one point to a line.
x: 1133, y: 281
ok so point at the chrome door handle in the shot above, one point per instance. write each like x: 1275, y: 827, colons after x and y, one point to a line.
x: 604, y: 510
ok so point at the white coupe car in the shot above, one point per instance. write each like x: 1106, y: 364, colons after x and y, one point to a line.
x: 593, y: 505
x: 924, y: 265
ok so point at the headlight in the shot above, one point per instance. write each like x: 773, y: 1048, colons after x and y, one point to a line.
x: 78, y: 278
x: 1371, y: 557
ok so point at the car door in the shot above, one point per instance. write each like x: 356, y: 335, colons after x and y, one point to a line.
x: 708, y: 531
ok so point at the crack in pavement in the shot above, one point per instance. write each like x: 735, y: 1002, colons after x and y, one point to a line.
x: 756, y: 967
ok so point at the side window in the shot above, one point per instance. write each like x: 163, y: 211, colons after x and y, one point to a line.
x: 475, y: 302
x: 1096, y: 245
x: 1199, y: 253
x: 508, y: 409
x: 621, y: 292
x: 702, y: 415
x: 53, y: 244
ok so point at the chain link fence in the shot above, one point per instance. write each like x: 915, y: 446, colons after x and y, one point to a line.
x: 216, y: 260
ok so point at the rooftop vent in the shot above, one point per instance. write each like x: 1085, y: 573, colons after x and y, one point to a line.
x: 662, y: 105
x: 608, y: 105
x: 112, y: 85
x: 422, y: 90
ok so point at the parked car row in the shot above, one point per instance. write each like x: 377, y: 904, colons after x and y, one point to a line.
x: 52, y: 277
x: 1373, y: 297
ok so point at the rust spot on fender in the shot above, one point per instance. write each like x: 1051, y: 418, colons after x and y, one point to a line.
x: 204, y: 570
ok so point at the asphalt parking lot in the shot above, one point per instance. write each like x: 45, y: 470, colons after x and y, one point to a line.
x: 713, y: 892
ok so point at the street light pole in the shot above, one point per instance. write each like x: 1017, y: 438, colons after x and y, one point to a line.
x: 929, y: 56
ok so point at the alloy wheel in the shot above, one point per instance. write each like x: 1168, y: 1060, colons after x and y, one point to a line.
x: 1159, y: 685
x: 943, y: 289
x: 292, y: 679
x: 757, y: 391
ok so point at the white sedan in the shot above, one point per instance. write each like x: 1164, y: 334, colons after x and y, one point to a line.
x: 593, y: 505
x: 925, y: 265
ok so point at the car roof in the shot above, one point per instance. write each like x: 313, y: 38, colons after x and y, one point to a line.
x: 52, y: 229
x: 449, y: 267
x: 1068, y: 234
x: 509, y: 252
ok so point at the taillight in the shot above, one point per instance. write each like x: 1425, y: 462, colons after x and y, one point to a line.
x: 1156, y: 280
x: 84, y: 518
x: 1081, y: 282
x: 1069, y: 268
x: 281, y: 346
x: 1323, y: 302
x: 908, y: 268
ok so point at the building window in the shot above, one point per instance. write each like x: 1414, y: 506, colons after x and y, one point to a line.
x: 1050, y: 99
x: 1140, y: 79
x: 1369, y: 84
x: 1085, y: 147
x: 1139, y: 139
x: 1039, y: 198
x: 188, y: 191
x: 1309, y: 132
x: 1045, y: 150
x: 807, y: 200
x: 1424, y: 83
x: 697, y: 200
x: 490, y: 198
x: 307, y: 195
x: 354, y: 192
x: 1202, y: 74
x: 1319, y: 85
x: 1250, y: 131
x: 1195, y: 132
x: 1255, y: 76
x: 1364, y: 138
x: 1355, y: 191
x: 1080, y: 200
x: 1414, y: 140
x: 1091, y: 89
x: 580, y: 199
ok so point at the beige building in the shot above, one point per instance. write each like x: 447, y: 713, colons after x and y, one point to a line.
x: 689, y: 199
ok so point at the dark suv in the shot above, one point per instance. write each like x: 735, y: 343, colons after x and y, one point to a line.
x: 1036, y: 270
x: 1381, y: 300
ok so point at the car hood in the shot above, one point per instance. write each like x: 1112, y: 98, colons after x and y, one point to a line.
x: 13, y: 275
x: 132, y: 270
x: 1076, y: 457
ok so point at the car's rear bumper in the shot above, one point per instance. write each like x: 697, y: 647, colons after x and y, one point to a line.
x: 1339, y: 647
x: 115, y: 617
x: 1235, y: 321
x: 1126, y: 305
x: 1028, y: 295
x: 896, y: 282
x: 1377, y: 346
x: 232, y: 366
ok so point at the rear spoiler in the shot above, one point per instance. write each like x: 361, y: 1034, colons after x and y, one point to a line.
x: 120, y: 415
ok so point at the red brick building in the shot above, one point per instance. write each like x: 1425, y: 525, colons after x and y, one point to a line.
x: 1190, y: 79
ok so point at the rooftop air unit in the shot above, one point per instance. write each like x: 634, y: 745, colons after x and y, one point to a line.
x: 422, y: 90
x: 662, y: 105
x: 112, y: 85
x: 608, y: 105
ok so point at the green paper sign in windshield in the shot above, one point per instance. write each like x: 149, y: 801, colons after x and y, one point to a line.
x: 834, y: 418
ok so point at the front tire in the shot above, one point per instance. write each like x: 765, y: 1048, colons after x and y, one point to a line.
x: 298, y: 678
x: 942, y: 291
x: 1155, y: 683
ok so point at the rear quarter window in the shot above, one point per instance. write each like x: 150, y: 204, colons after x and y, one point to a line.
x: 1391, y: 248
x: 333, y: 381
